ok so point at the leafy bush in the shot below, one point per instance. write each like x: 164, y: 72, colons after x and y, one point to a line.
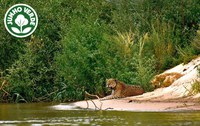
x: 89, y: 57
x: 78, y: 44
x: 10, y: 47
x: 32, y: 76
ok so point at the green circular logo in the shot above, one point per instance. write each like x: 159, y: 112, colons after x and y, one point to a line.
x: 21, y: 20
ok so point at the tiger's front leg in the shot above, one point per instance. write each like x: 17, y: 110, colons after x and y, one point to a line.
x: 107, y: 97
x: 110, y: 97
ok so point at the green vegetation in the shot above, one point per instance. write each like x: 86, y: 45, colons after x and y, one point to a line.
x: 195, y: 87
x: 80, y: 43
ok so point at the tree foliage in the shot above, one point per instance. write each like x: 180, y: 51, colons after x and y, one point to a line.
x: 78, y: 44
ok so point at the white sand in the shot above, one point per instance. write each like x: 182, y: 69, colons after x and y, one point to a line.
x: 124, y: 105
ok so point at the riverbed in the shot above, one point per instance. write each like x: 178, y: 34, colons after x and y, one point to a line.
x: 40, y: 114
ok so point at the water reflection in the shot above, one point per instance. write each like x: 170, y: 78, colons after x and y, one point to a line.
x: 43, y: 114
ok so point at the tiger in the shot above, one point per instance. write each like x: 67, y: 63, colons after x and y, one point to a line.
x: 165, y: 79
x: 121, y: 90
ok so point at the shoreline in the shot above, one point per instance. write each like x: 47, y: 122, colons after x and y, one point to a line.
x: 179, y: 96
x: 140, y: 106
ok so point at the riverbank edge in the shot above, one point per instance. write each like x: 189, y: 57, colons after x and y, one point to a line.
x: 173, y: 105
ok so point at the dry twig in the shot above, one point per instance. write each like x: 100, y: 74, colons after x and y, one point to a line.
x: 100, y: 108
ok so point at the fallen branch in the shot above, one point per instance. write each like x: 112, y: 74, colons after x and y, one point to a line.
x: 100, y: 108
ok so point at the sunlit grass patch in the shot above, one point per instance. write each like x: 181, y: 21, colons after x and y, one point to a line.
x: 195, y: 87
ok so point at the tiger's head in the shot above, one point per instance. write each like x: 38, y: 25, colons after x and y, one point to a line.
x: 111, y: 83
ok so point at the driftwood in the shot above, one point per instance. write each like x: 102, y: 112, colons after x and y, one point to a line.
x: 88, y: 94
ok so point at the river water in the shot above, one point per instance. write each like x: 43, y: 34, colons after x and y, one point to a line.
x: 44, y: 114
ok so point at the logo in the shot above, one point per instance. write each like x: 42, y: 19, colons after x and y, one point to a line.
x: 21, y: 20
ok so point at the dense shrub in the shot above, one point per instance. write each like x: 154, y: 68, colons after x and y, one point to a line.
x: 80, y: 43
x: 31, y: 77
x: 89, y: 57
x: 10, y: 47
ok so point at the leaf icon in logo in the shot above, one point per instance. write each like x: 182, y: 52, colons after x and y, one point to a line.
x: 21, y: 21
x: 15, y: 30
x: 26, y: 30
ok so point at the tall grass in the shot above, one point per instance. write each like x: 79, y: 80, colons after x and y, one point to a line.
x: 196, y: 85
x: 192, y: 50
x: 195, y: 88
x: 162, y: 42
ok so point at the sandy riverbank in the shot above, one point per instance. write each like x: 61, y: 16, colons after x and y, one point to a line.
x: 126, y: 105
x: 178, y: 96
